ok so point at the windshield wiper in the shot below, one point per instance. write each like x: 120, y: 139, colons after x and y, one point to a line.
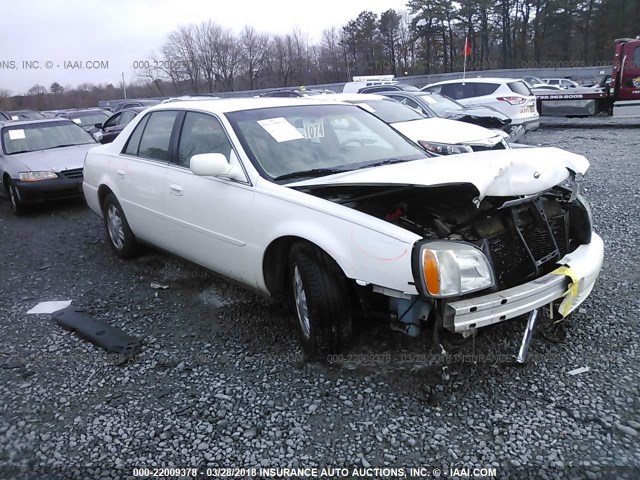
x: 314, y: 172
x: 63, y: 145
x: 388, y: 161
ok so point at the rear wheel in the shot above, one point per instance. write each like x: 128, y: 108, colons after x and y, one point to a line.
x: 121, y: 238
x: 321, y: 302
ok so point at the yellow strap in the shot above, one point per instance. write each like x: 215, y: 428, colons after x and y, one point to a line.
x: 572, y: 290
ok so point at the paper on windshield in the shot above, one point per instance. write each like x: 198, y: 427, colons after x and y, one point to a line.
x: 15, y: 117
x: 280, y: 129
x: 77, y: 120
x: 428, y: 99
x: 367, y: 107
x: 314, y: 129
x: 17, y: 134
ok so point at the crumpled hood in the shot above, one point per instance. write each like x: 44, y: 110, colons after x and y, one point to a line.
x: 55, y: 159
x: 446, y: 131
x: 499, y: 173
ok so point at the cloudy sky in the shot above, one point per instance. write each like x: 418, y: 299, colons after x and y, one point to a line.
x: 56, y: 32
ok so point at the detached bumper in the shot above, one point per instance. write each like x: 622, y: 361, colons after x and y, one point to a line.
x: 583, y: 264
x: 44, y: 190
x: 531, y: 123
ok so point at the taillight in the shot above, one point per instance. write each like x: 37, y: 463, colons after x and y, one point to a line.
x: 513, y: 100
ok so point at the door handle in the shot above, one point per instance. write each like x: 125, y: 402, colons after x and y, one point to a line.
x: 121, y: 173
x: 175, y: 189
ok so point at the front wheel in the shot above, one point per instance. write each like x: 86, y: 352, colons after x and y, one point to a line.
x: 321, y: 302
x: 121, y: 238
x: 16, y: 204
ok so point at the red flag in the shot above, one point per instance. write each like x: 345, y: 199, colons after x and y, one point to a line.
x: 467, y: 47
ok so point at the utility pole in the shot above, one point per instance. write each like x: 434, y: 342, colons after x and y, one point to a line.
x: 124, y: 88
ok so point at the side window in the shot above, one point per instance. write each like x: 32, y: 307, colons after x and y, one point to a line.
x: 157, y: 135
x: 126, y: 118
x: 636, y: 58
x: 457, y: 90
x: 436, y: 89
x: 113, y: 120
x: 482, y: 89
x: 201, y: 133
x: 409, y: 102
x: 134, y: 140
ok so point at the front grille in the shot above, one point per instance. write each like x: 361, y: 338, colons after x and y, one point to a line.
x: 511, y: 262
x: 72, y: 173
x: 520, y: 254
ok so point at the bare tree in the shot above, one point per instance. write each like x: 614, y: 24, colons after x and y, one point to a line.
x: 37, y: 89
x: 254, y: 49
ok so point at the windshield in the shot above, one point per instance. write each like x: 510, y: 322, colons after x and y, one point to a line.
x: 311, y: 140
x: 389, y: 111
x: 88, y: 118
x: 440, y: 104
x: 42, y: 136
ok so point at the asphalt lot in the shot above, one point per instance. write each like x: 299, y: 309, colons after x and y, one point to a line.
x: 220, y: 381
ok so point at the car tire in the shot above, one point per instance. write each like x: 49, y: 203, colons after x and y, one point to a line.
x: 321, y: 303
x: 17, y: 206
x: 122, y: 240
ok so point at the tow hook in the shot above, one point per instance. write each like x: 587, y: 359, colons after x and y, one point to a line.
x: 526, y: 338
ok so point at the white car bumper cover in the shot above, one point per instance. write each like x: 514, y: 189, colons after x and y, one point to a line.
x: 573, y: 280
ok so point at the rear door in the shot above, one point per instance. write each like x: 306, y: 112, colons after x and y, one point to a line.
x: 140, y: 176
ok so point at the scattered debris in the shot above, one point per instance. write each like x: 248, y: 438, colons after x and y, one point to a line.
x: 49, y: 307
x: 159, y: 286
x: 578, y: 371
x: 98, y: 332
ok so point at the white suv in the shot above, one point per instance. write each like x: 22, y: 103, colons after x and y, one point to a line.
x: 508, y: 95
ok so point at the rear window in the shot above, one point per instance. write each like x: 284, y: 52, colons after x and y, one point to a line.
x: 520, y: 88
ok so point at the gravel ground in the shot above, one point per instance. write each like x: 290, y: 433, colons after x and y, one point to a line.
x: 220, y: 382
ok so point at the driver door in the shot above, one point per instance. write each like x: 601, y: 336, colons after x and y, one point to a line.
x: 210, y: 218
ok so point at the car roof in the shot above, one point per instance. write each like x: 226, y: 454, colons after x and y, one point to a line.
x: 354, y: 97
x: 477, y: 80
x: 225, y: 105
x: 16, y: 123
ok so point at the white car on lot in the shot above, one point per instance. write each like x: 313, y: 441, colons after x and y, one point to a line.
x: 508, y: 95
x: 273, y: 194
x: 438, y: 135
x: 563, y: 83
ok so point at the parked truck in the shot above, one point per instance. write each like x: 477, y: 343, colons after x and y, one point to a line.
x: 622, y: 96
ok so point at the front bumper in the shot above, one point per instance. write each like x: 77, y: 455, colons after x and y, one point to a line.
x: 44, y: 190
x: 584, y: 264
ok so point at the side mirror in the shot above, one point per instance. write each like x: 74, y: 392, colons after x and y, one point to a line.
x: 209, y: 165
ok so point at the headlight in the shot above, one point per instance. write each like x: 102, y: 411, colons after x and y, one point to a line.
x: 37, y: 176
x: 445, y: 148
x: 449, y: 269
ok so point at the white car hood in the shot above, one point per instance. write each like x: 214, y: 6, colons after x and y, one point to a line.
x: 447, y: 131
x: 495, y: 173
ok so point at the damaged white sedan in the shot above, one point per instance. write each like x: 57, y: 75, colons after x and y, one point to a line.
x: 277, y: 195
